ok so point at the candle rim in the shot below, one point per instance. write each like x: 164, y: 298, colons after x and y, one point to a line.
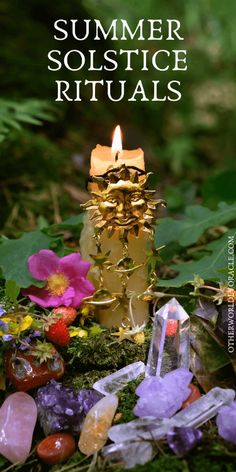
x: 100, y: 147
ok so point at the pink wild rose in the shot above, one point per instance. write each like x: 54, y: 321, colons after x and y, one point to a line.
x: 65, y: 277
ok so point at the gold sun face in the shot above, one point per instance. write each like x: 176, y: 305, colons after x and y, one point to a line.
x: 122, y: 205
x: 122, y: 202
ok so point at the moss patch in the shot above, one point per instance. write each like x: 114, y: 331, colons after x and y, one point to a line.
x: 127, y: 400
x: 104, y: 352
x: 85, y: 380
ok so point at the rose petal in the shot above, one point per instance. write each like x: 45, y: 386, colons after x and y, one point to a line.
x: 83, y: 288
x: 74, y: 266
x: 46, y: 263
x: 87, y: 287
x: 42, y: 297
x: 67, y: 297
x: 43, y: 264
x: 77, y: 300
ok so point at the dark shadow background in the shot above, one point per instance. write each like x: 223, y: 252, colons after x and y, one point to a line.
x: 189, y: 145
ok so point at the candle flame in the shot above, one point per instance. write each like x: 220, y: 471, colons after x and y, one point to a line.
x: 117, y: 141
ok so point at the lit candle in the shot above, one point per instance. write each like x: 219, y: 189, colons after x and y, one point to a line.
x: 116, y: 146
x: 104, y: 158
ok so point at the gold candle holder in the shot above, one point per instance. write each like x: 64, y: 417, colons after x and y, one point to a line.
x: 120, y: 224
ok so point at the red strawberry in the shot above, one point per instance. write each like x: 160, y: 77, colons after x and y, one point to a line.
x: 68, y: 314
x: 58, y: 333
x: 171, y: 328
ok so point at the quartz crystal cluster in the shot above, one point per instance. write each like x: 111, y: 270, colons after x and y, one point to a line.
x: 192, y: 416
x: 133, y: 441
x: 62, y: 408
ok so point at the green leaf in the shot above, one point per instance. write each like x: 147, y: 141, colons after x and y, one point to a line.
x: 74, y: 223
x: 30, y: 111
x: 212, y: 354
x: 42, y: 222
x: 14, y: 255
x: 196, y: 221
x: 210, y: 267
x: 71, y: 222
x: 167, y: 231
x: 12, y: 290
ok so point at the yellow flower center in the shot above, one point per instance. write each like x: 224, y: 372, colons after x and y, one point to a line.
x: 57, y: 284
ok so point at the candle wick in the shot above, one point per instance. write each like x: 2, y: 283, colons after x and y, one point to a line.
x: 117, y: 156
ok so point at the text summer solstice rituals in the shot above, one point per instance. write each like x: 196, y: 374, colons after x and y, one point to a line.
x: 138, y: 61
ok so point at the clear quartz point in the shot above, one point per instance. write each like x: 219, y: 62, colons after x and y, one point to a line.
x: 170, y: 344
x: 119, y: 379
x: 140, y: 429
x: 205, y: 408
x: 194, y: 415
x: 129, y: 454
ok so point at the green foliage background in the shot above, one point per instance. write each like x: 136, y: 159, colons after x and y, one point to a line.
x: 189, y: 146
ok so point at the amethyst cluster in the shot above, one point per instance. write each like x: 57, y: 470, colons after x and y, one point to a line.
x: 63, y: 408
x: 226, y: 422
x: 161, y: 397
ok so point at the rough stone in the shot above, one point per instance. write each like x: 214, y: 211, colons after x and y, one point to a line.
x: 63, y: 408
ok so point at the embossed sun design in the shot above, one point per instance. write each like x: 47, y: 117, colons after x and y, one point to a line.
x: 123, y: 201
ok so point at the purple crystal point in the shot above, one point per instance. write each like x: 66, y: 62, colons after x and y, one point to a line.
x: 182, y: 440
x: 62, y: 408
x: 161, y: 397
x: 226, y: 422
